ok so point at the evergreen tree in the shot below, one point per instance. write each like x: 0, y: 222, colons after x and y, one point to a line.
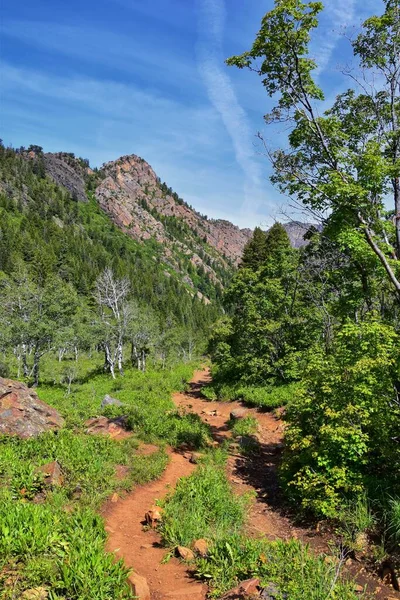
x: 255, y: 251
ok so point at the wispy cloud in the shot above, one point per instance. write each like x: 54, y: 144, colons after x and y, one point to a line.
x: 211, y: 15
x: 337, y: 16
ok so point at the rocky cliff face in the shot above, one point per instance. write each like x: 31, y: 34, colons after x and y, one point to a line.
x: 136, y: 200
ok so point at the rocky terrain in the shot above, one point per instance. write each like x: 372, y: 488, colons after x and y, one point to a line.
x: 136, y: 200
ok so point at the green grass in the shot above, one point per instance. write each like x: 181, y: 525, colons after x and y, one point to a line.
x: 266, y: 397
x: 393, y: 519
x: 293, y: 569
x: 246, y: 426
x: 59, y: 543
x: 203, y: 505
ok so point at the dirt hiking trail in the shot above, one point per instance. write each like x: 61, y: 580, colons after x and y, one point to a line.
x: 141, y: 549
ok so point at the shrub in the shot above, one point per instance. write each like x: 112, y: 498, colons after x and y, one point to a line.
x: 341, y: 428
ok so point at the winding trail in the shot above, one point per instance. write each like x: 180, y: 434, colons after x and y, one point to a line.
x: 141, y: 549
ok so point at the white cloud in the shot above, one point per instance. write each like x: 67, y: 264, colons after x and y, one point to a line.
x: 336, y: 17
x: 222, y: 96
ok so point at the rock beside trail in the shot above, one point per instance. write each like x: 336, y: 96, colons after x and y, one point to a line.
x: 22, y: 413
x: 238, y: 413
x: 185, y: 553
x: 140, y: 587
x: 110, y: 401
x: 200, y: 547
x: 104, y: 426
x: 246, y: 590
x: 153, y: 516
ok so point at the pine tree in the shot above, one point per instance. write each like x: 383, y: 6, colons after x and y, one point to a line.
x: 255, y: 251
x: 277, y: 240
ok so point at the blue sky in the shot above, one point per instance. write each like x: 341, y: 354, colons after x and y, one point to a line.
x: 104, y: 78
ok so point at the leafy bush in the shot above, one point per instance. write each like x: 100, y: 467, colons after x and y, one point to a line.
x: 341, y: 429
x: 268, y: 396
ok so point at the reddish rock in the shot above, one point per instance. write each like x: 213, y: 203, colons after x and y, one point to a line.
x: 22, y: 413
x: 53, y: 476
x: 246, y: 590
x: 114, y: 428
x: 238, y: 413
x: 185, y: 553
x: 200, y: 547
x: 153, y: 516
x: 140, y: 587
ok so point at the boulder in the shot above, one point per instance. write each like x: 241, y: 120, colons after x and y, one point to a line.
x: 185, y: 553
x: 53, y: 476
x: 140, y: 587
x: 109, y: 401
x: 238, y: 413
x: 22, y: 413
x: 103, y: 426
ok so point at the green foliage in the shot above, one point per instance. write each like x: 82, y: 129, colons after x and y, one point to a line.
x: 393, y: 521
x: 262, y: 341
x: 59, y: 542
x: 294, y: 570
x: 63, y: 552
x: 247, y: 426
x: 341, y: 429
x: 203, y: 505
x: 255, y: 251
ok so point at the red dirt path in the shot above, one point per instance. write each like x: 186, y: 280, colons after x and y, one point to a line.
x: 141, y: 549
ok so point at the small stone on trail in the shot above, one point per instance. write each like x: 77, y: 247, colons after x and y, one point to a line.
x: 185, y: 553
x: 153, y: 516
x: 238, y: 413
x: 139, y: 586
x: 201, y: 547
x: 358, y: 588
x: 114, y: 498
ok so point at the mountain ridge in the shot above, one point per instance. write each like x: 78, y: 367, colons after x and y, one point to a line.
x: 129, y: 191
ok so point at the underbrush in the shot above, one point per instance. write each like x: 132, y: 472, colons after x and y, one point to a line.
x: 267, y: 397
x: 205, y: 506
x: 289, y: 568
x: 51, y: 536
x: 43, y: 546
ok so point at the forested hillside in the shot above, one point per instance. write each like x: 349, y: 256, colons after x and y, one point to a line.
x: 58, y: 255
